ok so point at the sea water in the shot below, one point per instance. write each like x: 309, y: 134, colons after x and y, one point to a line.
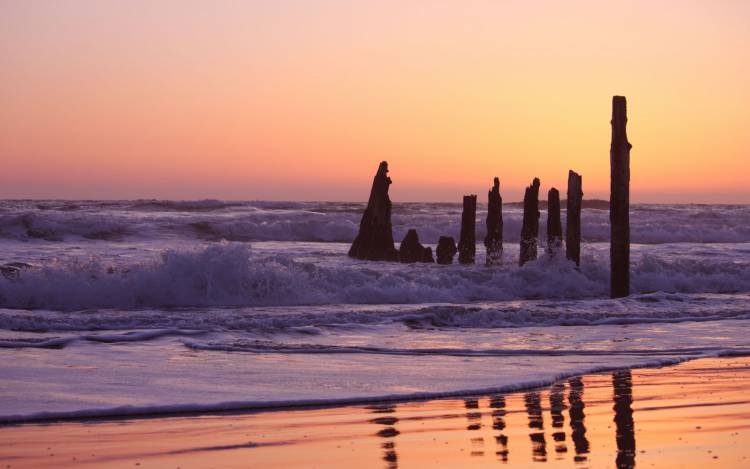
x: 147, y: 306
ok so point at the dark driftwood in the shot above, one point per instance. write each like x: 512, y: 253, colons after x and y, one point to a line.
x: 446, y: 249
x: 530, y: 229
x: 411, y: 250
x: 467, y: 248
x: 554, y: 225
x: 619, y: 201
x: 375, y: 239
x: 573, y: 218
x: 493, y: 241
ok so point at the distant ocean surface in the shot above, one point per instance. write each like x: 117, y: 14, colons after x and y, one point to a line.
x: 151, y: 306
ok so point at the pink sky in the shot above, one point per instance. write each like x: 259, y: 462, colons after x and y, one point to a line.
x: 300, y: 100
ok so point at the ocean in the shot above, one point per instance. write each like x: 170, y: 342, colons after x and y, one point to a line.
x: 150, y: 307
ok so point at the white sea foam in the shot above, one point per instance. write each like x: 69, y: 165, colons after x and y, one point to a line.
x: 192, y: 408
x: 314, y: 320
x: 168, y: 298
x: 230, y: 275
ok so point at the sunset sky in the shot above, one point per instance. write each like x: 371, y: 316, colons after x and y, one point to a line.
x: 300, y: 100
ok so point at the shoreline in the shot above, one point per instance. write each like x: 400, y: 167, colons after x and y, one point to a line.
x: 240, y: 407
x: 244, y: 407
x: 695, y: 412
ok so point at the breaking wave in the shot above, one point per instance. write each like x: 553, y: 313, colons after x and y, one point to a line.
x: 230, y: 275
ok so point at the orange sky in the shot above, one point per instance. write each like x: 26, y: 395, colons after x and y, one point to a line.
x: 301, y: 99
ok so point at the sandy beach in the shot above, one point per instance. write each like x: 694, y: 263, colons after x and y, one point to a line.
x: 696, y: 414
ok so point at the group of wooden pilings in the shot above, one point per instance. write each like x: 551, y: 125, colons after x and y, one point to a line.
x: 375, y: 238
x: 493, y: 241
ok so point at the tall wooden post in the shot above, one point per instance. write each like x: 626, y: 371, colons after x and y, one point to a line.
x: 573, y: 220
x: 467, y: 248
x: 493, y: 241
x: 619, y: 202
x: 530, y: 229
x: 554, y: 226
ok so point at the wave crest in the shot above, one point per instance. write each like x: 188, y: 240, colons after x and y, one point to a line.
x: 230, y: 275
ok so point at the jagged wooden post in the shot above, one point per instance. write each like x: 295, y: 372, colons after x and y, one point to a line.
x: 375, y: 238
x: 467, y: 242
x: 530, y: 229
x: 554, y: 225
x: 619, y: 201
x: 573, y: 218
x: 493, y: 241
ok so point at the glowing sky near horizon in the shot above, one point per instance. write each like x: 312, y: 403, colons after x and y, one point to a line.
x: 300, y: 100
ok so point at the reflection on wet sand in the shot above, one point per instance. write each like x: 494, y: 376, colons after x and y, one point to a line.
x: 389, y: 432
x: 699, y: 416
x: 497, y: 404
x: 577, y: 416
x: 556, y: 406
x: 474, y: 419
x: 536, y: 422
x: 622, y: 382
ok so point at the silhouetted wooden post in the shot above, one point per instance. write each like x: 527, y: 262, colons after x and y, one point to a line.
x: 467, y: 242
x: 375, y: 238
x: 554, y: 225
x: 530, y: 229
x: 619, y: 201
x: 573, y: 218
x: 411, y: 250
x: 446, y: 249
x: 493, y: 241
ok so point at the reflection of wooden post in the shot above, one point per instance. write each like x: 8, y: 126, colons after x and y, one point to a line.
x: 619, y: 202
x: 530, y: 229
x: 573, y: 221
x: 554, y: 226
x: 577, y: 419
x: 493, y: 242
x: 622, y: 382
x: 467, y: 242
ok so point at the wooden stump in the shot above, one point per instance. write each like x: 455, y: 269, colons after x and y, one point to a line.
x: 573, y: 218
x: 467, y: 242
x: 554, y: 225
x: 446, y: 249
x: 375, y: 239
x: 493, y: 241
x: 619, y: 201
x: 530, y: 229
x: 411, y: 250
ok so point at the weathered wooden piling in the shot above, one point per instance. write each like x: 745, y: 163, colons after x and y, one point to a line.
x: 446, y: 249
x: 530, y: 229
x: 375, y: 239
x: 467, y: 242
x: 493, y: 241
x: 411, y: 250
x: 619, y: 201
x: 554, y: 225
x: 573, y: 218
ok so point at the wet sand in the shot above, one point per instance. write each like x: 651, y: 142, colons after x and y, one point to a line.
x: 696, y: 414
